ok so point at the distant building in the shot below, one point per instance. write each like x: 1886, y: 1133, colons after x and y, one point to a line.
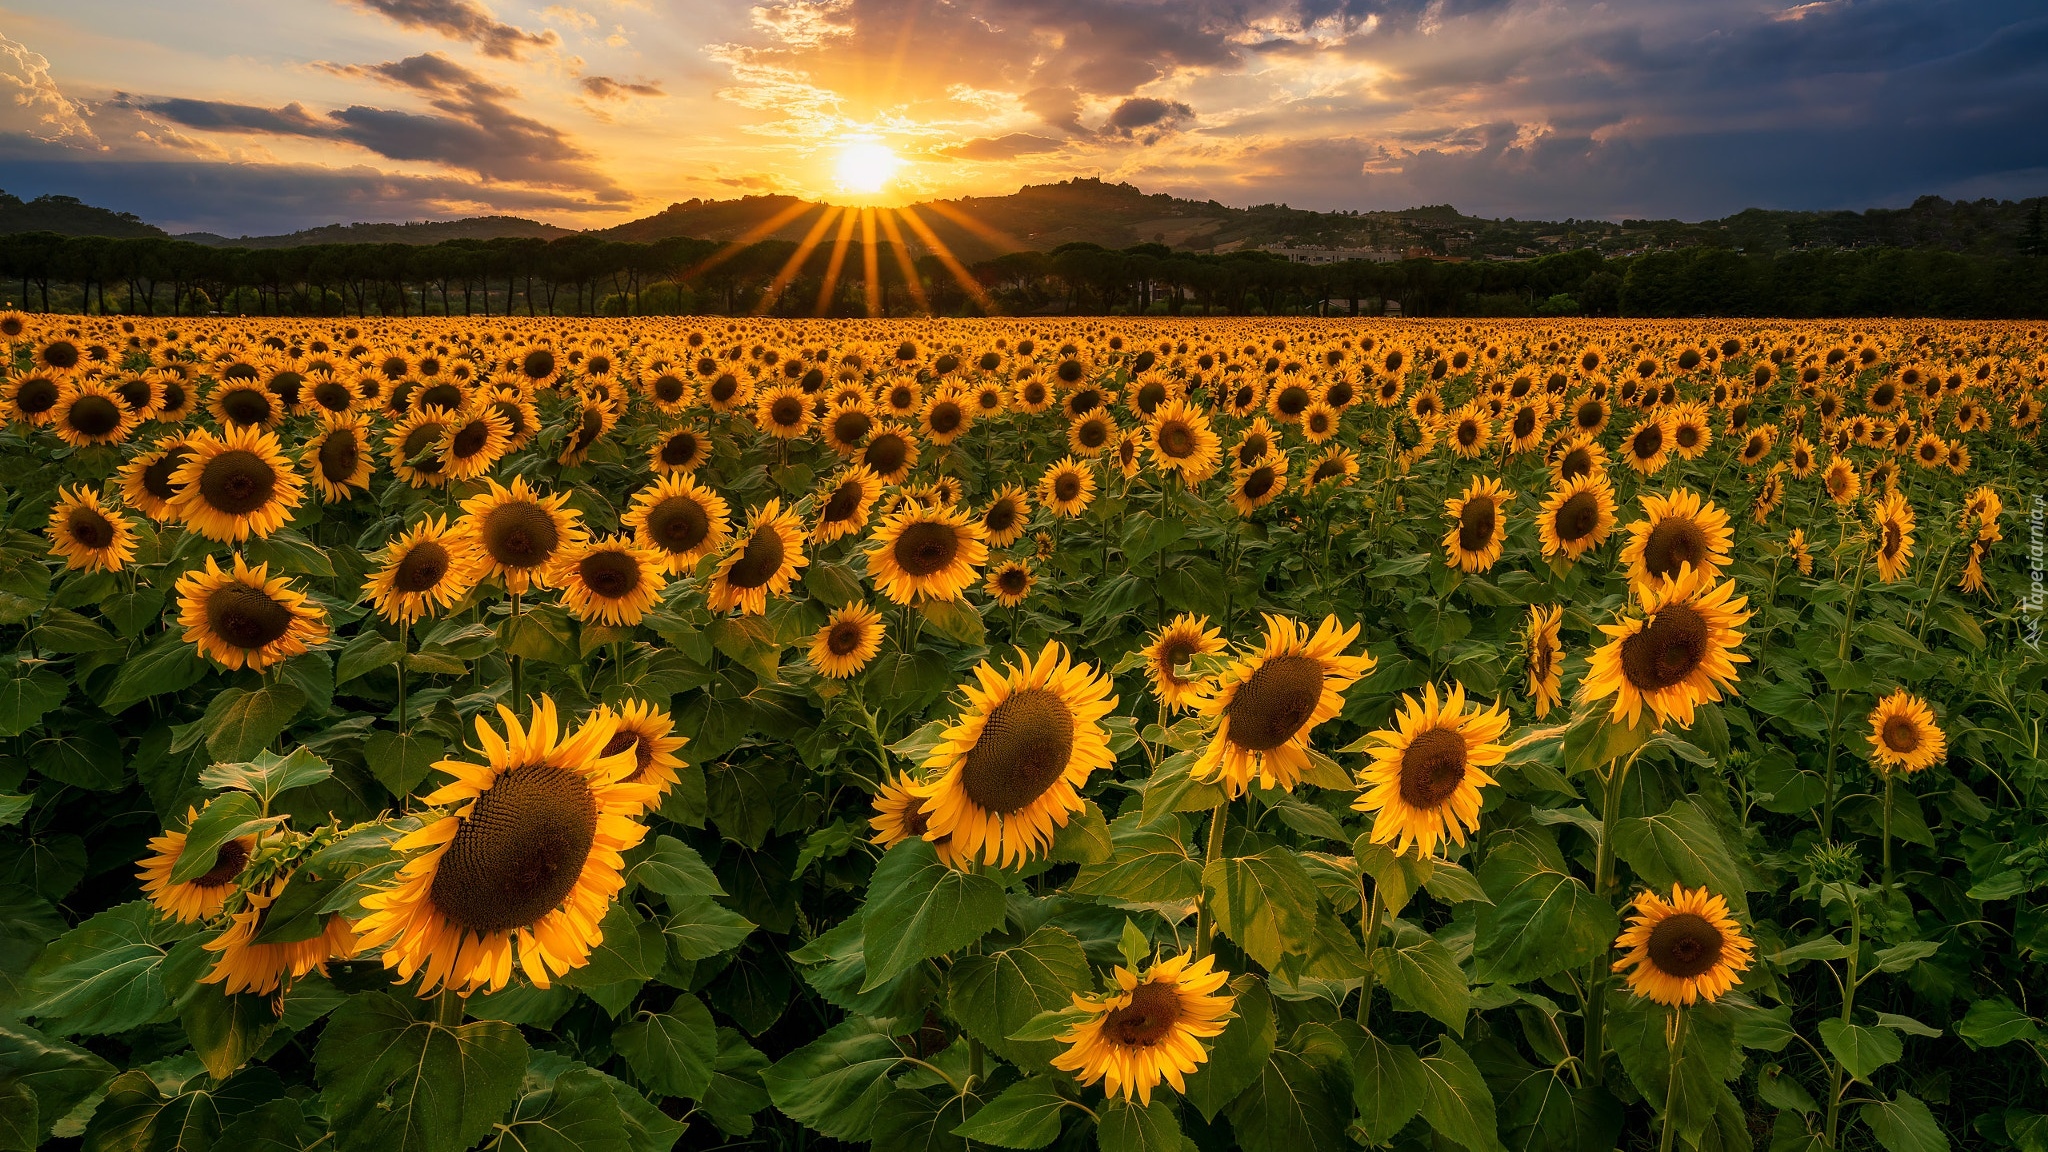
x: 1334, y: 255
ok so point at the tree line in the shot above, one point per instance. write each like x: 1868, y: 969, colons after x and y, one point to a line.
x: 590, y: 276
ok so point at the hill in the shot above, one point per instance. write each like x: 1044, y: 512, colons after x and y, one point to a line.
x: 70, y: 216
x: 417, y: 232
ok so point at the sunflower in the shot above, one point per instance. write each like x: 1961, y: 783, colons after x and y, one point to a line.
x: 681, y: 519
x: 595, y: 416
x: 1474, y: 543
x: 329, y: 393
x: 1150, y: 1029
x: 644, y: 730
x: 1032, y: 394
x: 1895, y: 520
x: 1682, y: 530
x: 518, y: 532
x: 89, y: 413
x: 1802, y: 558
x: 523, y: 868
x: 1002, y: 522
x: 1266, y: 705
x: 244, y: 403
x: 890, y: 453
x: 476, y: 440
x: 1842, y: 482
x: 1958, y: 459
x: 1008, y: 772
x: 1578, y: 456
x: 1903, y: 734
x: 260, y: 969
x: 1799, y: 450
x: 1648, y: 447
x: 146, y: 479
x: 1685, y: 950
x: 31, y: 397
x: 1067, y: 488
x: 900, y: 815
x: 1337, y: 465
x: 1544, y: 653
x: 338, y: 456
x: 849, y: 639
x: 424, y: 569
x: 1010, y: 582
x: 88, y: 534
x: 1677, y: 655
x: 1256, y: 486
x: 761, y: 561
x: 844, y: 503
x: 1471, y: 431
x: 609, y: 580
x: 945, y: 417
x: 669, y: 390
x: 1576, y: 517
x: 1181, y: 441
x: 245, y: 617
x: 1173, y: 646
x: 784, y: 412
x: 1589, y: 416
x: 203, y: 896
x: 847, y: 425
x: 1427, y: 771
x: 1318, y: 422
x: 236, y: 485
x: 521, y: 417
x: 414, y: 444
x: 141, y: 395
x: 1254, y: 444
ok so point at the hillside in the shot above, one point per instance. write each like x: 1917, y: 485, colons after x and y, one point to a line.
x: 70, y: 216
x: 417, y: 232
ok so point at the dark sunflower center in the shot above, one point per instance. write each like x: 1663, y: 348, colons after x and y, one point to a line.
x: 1066, y: 486
x: 786, y: 411
x: 1001, y: 516
x: 133, y: 392
x: 926, y: 547
x: 1023, y: 750
x: 849, y: 426
x: 1147, y: 1020
x: 1274, y: 702
x: 678, y: 524
x: 1674, y: 541
x: 94, y: 415
x: 1901, y: 735
x: 89, y: 528
x: 1326, y: 470
x: 1576, y: 463
x: 668, y: 389
x: 61, y: 354
x: 421, y: 568
x: 844, y: 502
x: 36, y: 395
x: 945, y: 417
x: 1013, y: 581
x: 237, y: 482
x: 1034, y: 393
x: 519, y: 853
x: 1258, y: 482
x: 588, y: 429
x: 1253, y: 449
x: 1578, y: 516
x: 759, y: 561
x: 246, y: 617
x: 845, y: 637
x: 1892, y: 539
x: 1685, y: 944
x: 228, y: 863
x: 1590, y: 414
x: 332, y: 395
x: 609, y: 573
x: 1648, y: 441
x: 886, y: 454
x: 1432, y: 767
x: 1687, y: 435
x: 470, y: 439
x: 1476, y: 522
x: 418, y: 441
x: 538, y: 364
x: 679, y: 449
x: 520, y: 535
x: 339, y: 455
x: 247, y: 406
x: 1468, y: 432
x: 1292, y: 400
x: 156, y: 478
x: 1667, y: 650
x: 643, y: 752
x: 1177, y: 440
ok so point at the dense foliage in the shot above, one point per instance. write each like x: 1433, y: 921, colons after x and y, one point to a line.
x: 1293, y: 736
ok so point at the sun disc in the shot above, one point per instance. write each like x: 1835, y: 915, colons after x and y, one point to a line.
x: 865, y: 166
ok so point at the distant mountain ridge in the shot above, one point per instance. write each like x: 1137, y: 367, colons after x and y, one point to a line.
x: 1086, y: 210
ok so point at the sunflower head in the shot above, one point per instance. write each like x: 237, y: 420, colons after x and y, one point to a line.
x: 1067, y: 488
x: 681, y: 520
x: 1684, y: 950
x: 645, y: 730
x: 609, y: 580
x: 1426, y: 773
x: 87, y: 534
x: 760, y: 562
x: 1474, y: 543
x: 1148, y: 1029
x: 924, y: 552
x: 1004, y: 520
x: 519, y: 532
x: 1544, y: 655
x: 1680, y: 530
x: 204, y: 896
x: 848, y: 640
x: 1170, y: 656
x: 236, y: 485
x: 1010, y: 582
x: 1267, y: 704
x: 1680, y: 653
x: 244, y: 617
x: 1903, y: 734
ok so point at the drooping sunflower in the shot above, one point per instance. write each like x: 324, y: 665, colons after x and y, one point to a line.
x: 338, y: 456
x: 681, y: 519
x: 1681, y: 529
x: 518, y: 532
x: 1007, y: 774
x: 1474, y: 543
x: 1426, y: 772
x: 1256, y: 486
x: 1842, y: 482
x: 900, y: 815
x: 1682, y: 951
x: 1254, y: 444
x: 236, y: 485
x: 1903, y: 734
x: 1003, y: 521
x: 1802, y: 558
x: 414, y: 447
x: 1150, y: 1029
x: 1173, y: 646
x: 610, y: 580
x: 88, y: 534
x: 595, y: 418
x: 1576, y: 517
x: 1067, y: 488
x: 1894, y: 521
x: 1676, y: 656
x: 760, y: 562
x: 1268, y: 703
x: 849, y: 639
x: 203, y: 896
x: 844, y: 503
x: 524, y: 867
x: 425, y: 569
x: 261, y: 969
x: 1181, y: 442
x: 1544, y: 654
x: 925, y: 553
x: 644, y: 730
x: 1010, y: 582
x: 244, y: 617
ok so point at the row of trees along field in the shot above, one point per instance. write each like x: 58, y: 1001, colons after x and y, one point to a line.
x: 586, y: 275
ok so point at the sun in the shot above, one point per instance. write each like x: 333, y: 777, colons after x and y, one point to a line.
x: 865, y: 167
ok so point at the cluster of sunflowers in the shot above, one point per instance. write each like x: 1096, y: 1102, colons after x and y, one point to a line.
x: 569, y: 673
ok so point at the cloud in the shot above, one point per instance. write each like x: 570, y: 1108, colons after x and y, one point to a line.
x: 463, y: 20
x: 1140, y: 113
x: 606, y: 88
x: 473, y: 128
x: 1001, y: 147
x: 54, y: 116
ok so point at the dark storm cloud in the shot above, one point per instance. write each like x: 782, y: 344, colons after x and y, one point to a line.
x: 473, y: 127
x: 463, y: 20
x: 606, y: 88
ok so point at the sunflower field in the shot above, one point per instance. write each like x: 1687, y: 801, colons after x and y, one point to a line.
x: 550, y: 735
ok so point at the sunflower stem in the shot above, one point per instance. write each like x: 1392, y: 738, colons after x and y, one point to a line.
x: 1827, y: 813
x: 404, y: 636
x: 1676, y: 1057
x: 1369, y: 926
x: 1849, y: 982
x: 1603, y: 878
x: 1886, y: 839
x: 1204, y: 922
x: 448, y: 1009
x: 1927, y: 609
x: 518, y: 664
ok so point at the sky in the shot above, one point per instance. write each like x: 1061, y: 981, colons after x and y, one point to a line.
x: 248, y: 117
